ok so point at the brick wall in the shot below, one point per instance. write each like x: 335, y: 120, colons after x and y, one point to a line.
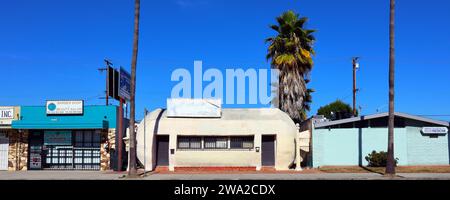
x: 108, y: 143
x: 18, y: 150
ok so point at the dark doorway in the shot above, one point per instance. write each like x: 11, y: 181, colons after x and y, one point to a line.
x: 268, y: 150
x: 162, y: 154
x: 35, y: 148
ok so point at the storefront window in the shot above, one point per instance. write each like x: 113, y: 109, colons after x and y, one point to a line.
x: 65, y: 149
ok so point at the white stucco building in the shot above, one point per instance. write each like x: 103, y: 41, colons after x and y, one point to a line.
x: 247, y: 138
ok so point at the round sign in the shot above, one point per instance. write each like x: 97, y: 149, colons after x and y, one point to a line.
x: 51, y: 106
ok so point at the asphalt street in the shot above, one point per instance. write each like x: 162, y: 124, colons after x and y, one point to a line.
x: 89, y: 175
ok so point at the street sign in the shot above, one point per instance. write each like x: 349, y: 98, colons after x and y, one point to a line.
x: 124, y: 84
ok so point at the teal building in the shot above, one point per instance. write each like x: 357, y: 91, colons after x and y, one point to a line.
x: 65, y: 135
x: 346, y: 142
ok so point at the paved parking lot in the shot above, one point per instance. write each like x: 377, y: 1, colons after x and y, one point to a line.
x: 88, y: 175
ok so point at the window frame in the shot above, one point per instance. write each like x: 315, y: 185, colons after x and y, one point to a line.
x: 251, y: 138
x: 215, y: 140
x: 204, y: 140
x: 190, y: 139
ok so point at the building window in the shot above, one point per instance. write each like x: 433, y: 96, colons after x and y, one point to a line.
x: 87, y: 139
x: 216, y: 142
x: 244, y: 142
x: 189, y: 142
x: 213, y: 142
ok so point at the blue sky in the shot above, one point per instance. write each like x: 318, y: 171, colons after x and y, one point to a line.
x: 52, y: 49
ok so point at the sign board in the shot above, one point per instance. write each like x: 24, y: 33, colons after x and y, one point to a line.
x: 113, y: 83
x: 64, y: 107
x: 124, y: 84
x: 57, y: 138
x: 110, y: 80
x: 35, y: 161
x: 434, y: 130
x: 6, y: 113
x: 194, y: 108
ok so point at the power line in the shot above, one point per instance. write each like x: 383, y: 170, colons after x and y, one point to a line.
x: 438, y: 115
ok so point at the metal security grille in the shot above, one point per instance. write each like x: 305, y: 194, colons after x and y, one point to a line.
x: 189, y: 142
x: 244, y: 142
x: 59, y: 157
x: 4, y: 143
x: 87, y: 158
x: 84, y: 154
x: 215, y: 142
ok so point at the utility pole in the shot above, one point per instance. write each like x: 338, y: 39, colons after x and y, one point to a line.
x: 106, y: 89
x: 108, y: 64
x: 355, y: 67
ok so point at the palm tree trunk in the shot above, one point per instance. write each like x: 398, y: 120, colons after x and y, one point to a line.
x: 390, y: 165
x: 132, y: 164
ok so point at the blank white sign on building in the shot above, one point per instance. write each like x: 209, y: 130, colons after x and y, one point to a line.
x: 194, y: 108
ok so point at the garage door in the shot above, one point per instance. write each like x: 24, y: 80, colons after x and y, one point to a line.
x: 4, y: 143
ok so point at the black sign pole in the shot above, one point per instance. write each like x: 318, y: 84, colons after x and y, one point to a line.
x: 120, y: 136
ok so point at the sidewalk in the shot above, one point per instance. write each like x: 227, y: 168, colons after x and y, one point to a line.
x: 60, y: 175
x: 109, y: 175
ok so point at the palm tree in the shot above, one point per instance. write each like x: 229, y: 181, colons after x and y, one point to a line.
x: 390, y: 164
x: 306, y: 104
x: 132, y: 170
x: 290, y: 51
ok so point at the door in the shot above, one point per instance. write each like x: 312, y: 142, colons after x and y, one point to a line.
x: 162, y: 154
x: 36, y: 151
x: 57, y: 150
x: 4, y: 144
x: 268, y: 150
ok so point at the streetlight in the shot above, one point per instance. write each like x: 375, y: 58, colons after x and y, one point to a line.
x: 355, y: 67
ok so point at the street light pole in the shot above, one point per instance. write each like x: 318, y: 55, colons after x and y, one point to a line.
x: 355, y: 67
x: 145, y: 146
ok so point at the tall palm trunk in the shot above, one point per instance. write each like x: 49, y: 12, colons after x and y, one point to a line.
x: 292, y: 89
x: 390, y: 165
x: 132, y: 170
